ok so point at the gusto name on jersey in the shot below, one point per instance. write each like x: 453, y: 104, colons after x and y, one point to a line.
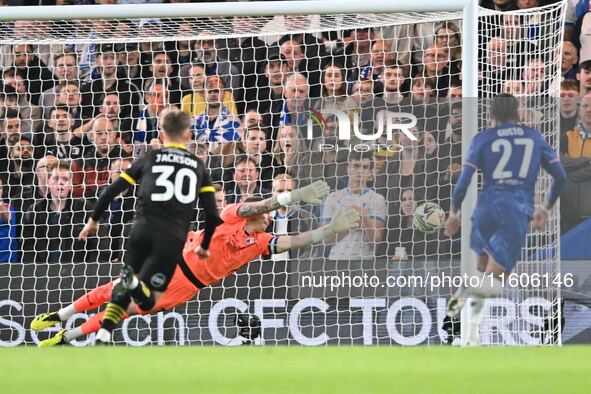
x: 511, y: 131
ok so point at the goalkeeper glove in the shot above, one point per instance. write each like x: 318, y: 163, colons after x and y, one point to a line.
x: 344, y: 220
x: 310, y: 194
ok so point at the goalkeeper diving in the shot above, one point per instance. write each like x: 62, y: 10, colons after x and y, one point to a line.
x: 237, y: 241
x: 510, y: 156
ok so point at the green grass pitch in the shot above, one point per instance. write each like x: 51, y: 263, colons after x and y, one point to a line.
x: 296, y: 370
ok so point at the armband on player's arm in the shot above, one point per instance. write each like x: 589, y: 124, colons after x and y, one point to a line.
x: 207, y: 200
x: 115, y: 189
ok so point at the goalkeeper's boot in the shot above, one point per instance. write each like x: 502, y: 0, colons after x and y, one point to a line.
x: 57, y: 340
x: 126, y: 275
x: 44, y: 321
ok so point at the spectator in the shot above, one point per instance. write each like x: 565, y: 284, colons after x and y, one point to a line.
x: 129, y: 64
x: 92, y: 171
x: 255, y: 147
x: 570, y: 61
x: 296, y: 101
x: 421, y: 91
x: 270, y: 98
x: 381, y: 53
x: 62, y: 143
x: 9, y: 248
x: 20, y: 176
x: 359, y: 244
x: 252, y: 118
x: 52, y: 225
x: 437, y: 67
x: 494, y: 70
x: 34, y: 72
x: 363, y: 107
x: 447, y: 35
x: 357, y: 51
x: 394, y: 80
x: 39, y: 188
x: 584, y: 77
x: 499, y: 5
x: 312, y: 47
x: 534, y: 77
x: 292, y: 219
x: 68, y: 94
x: 17, y: 100
x: 181, y: 51
x: 245, y: 53
x: 569, y: 100
x: 94, y: 92
x: 10, y: 133
x: 147, y: 125
x: 111, y: 109
x: 194, y: 104
x: 162, y: 73
x: 216, y: 125
x: 576, y: 144
x: 246, y: 182
x: 206, y: 52
x: 65, y: 69
x: 292, y: 154
x: 334, y: 88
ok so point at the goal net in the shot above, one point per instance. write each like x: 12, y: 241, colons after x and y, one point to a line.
x: 370, y: 103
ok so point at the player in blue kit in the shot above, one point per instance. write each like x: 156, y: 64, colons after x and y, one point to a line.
x: 509, y: 156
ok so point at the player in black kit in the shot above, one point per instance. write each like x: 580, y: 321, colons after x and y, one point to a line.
x: 170, y: 181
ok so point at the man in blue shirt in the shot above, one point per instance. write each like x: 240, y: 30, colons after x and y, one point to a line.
x: 509, y: 156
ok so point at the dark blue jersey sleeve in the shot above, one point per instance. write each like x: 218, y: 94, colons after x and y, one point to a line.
x: 470, y: 166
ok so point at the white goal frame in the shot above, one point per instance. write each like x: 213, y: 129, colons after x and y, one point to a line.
x: 469, y: 9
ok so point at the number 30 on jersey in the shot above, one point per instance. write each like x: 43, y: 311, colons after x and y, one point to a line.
x: 174, y: 188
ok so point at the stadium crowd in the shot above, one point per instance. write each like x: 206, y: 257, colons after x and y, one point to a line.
x: 73, y: 116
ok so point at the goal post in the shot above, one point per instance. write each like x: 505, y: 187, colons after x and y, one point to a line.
x: 290, y: 313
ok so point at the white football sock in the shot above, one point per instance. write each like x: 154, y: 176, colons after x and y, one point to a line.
x: 66, y: 313
x: 72, y: 334
x: 103, y: 335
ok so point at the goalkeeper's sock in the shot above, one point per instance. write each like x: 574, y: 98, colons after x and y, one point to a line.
x: 489, y: 287
x: 72, y: 334
x: 67, y: 312
x: 93, y: 299
x: 142, y: 296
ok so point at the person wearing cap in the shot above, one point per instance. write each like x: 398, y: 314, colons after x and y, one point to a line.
x: 93, y: 92
x: 128, y: 63
x: 270, y: 91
